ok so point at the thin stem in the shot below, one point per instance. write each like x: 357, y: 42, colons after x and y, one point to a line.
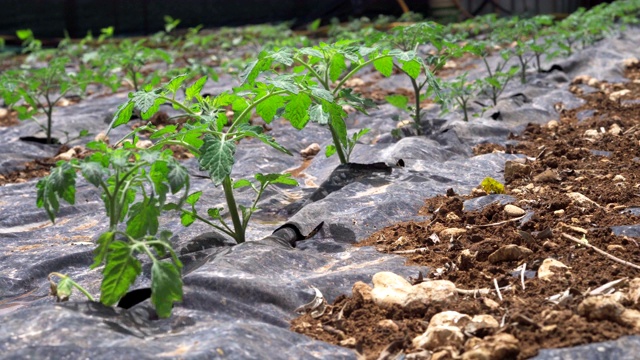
x: 416, y: 119
x: 313, y: 72
x: 338, y: 144
x: 76, y: 285
x: 226, y: 231
x: 233, y: 210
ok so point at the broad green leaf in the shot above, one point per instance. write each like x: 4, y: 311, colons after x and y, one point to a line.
x: 284, y: 84
x: 143, y: 219
x: 168, y: 129
x: 187, y: 219
x: 195, y: 89
x: 174, y: 84
x: 283, y: 56
x: 214, y: 213
x: 412, y: 68
x: 317, y: 114
x: 166, y: 287
x: 93, y: 172
x: 217, y: 157
x: 99, y: 254
x: 297, y: 110
x: 399, y: 101
x: 178, y: 177
x: 285, y: 179
x: 322, y: 94
x: 123, y: 115
x: 147, y: 102
x: 61, y: 183
x: 331, y: 149
x: 241, y: 183
x: 311, y: 52
x: 64, y: 288
x: 337, y: 66
x: 267, y: 108
x: 120, y: 271
x: 193, y: 198
x: 384, y: 65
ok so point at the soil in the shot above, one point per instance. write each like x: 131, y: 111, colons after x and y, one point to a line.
x: 592, y: 150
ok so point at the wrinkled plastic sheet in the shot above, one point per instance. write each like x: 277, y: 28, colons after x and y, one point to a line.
x: 239, y: 299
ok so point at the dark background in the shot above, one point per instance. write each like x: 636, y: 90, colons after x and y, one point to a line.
x: 48, y: 18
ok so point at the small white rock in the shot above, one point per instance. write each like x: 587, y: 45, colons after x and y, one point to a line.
x: 448, y: 232
x: 545, y: 272
x: 310, y: 151
x: 616, y: 95
x: 592, y: 133
x: 619, y: 178
x: 615, y: 130
x: 66, y: 156
x: 439, y: 336
x: 144, y: 144
x: 450, y: 318
x: 513, y: 211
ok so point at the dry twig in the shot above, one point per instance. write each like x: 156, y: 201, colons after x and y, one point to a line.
x: 601, y: 252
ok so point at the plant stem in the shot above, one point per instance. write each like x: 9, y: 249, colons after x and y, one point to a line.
x: 416, y: 119
x: 233, y: 210
x: 338, y: 144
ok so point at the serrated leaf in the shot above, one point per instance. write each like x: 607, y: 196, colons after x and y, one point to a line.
x: 217, y: 158
x: 384, y: 65
x: 93, y: 172
x: 337, y: 66
x: 283, y: 56
x: 178, y: 177
x: 166, y: 287
x: 123, y: 115
x: 99, y: 254
x: 399, y: 101
x: 120, y: 271
x: 317, y: 114
x: 267, y: 108
x: 285, y: 84
x: 297, y: 110
x: 412, y: 68
x: 146, y: 101
x: 195, y: 89
x: 143, y: 219
x: 311, y: 52
x: 322, y: 94
x: 61, y: 183
x: 174, y: 84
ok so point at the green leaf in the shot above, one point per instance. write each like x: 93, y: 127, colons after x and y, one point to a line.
x: 121, y: 270
x: 178, y: 177
x: 384, y: 65
x: 123, y: 115
x: 412, y: 68
x: 241, y: 183
x: 64, y: 288
x: 214, y: 213
x: 187, y: 219
x: 311, y: 52
x: 61, y: 183
x: 317, y: 114
x: 337, y: 66
x: 99, y: 254
x: 284, y: 179
x: 297, y: 110
x: 331, y: 149
x: 166, y: 287
x: 322, y: 94
x: 93, y: 172
x: 284, y: 84
x: 217, y: 157
x: 283, y: 56
x: 195, y: 89
x: 256, y: 131
x: 147, y: 102
x: 174, y: 84
x: 193, y: 198
x: 399, y: 101
x: 267, y: 108
x: 143, y: 219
